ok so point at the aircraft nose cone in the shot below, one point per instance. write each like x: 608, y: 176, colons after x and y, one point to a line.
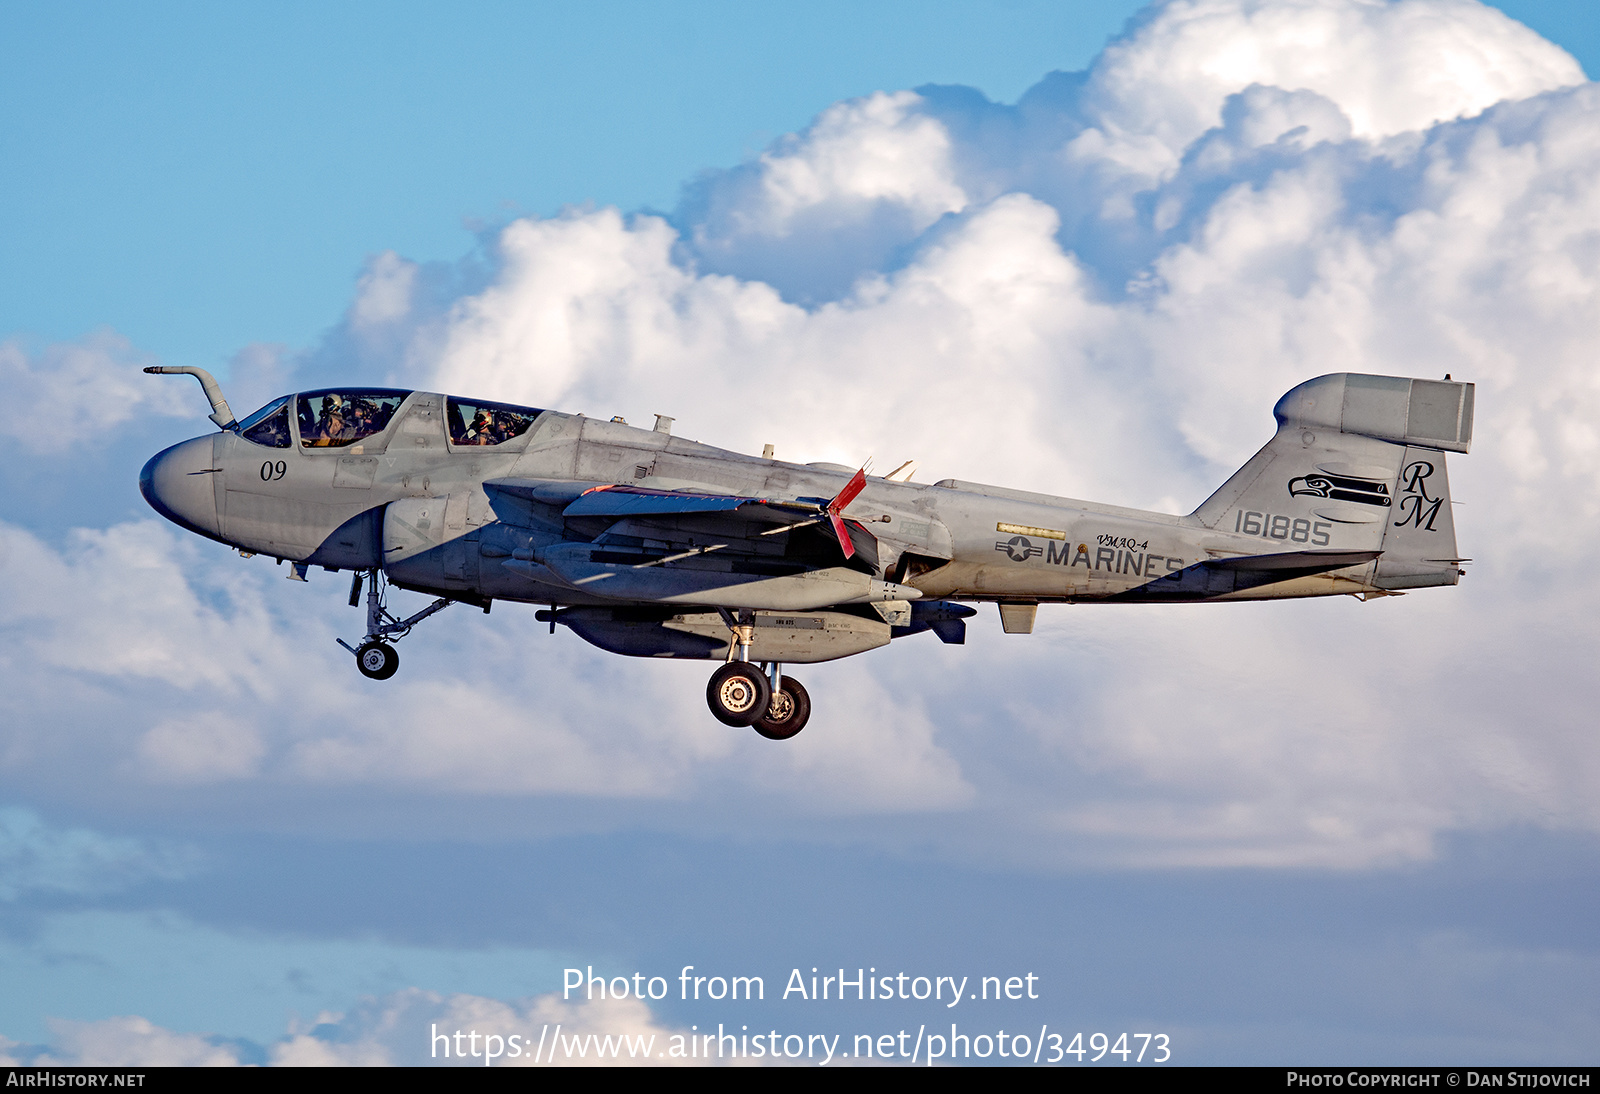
x: 178, y: 484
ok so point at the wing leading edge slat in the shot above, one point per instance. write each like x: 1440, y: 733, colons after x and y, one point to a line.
x: 625, y: 501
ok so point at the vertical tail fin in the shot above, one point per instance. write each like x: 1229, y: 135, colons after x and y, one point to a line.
x: 1357, y: 463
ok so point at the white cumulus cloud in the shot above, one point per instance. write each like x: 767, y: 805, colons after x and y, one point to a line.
x: 406, y: 1028
x: 67, y: 393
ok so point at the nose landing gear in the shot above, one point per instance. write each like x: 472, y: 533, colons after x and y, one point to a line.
x: 375, y: 657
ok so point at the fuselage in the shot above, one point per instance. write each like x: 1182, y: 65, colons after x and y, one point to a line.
x: 416, y: 496
x: 650, y: 545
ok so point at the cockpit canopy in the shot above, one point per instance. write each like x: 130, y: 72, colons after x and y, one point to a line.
x: 332, y: 418
x: 480, y: 423
x: 337, y: 417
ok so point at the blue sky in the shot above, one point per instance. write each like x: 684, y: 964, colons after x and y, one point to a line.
x: 200, y: 178
x: 210, y: 826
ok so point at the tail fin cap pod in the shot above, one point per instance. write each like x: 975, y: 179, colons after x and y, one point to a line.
x: 1424, y: 413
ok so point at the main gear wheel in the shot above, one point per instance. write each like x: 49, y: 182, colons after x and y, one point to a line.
x: 738, y: 694
x: 787, y: 713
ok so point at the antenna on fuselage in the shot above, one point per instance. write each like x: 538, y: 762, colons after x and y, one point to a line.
x: 219, y: 406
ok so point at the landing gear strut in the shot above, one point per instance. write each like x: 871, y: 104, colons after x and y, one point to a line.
x: 375, y: 657
x: 740, y: 694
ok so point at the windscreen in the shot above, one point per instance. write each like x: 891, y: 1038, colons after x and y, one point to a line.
x: 269, y: 426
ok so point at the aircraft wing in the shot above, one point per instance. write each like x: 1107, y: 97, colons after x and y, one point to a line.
x: 670, y: 511
x: 1217, y: 576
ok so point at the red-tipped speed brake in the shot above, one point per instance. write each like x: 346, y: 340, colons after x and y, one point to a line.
x: 856, y: 484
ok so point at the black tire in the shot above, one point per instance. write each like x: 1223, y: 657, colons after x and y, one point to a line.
x: 738, y: 694
x: 788, y: 712
x: 377, y: 660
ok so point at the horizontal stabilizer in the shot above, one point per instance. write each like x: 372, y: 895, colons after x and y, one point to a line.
x: 1220, y: 576
x: 1296, y: 563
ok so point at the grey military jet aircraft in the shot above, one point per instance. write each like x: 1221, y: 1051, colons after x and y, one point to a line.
x: 650, y: 545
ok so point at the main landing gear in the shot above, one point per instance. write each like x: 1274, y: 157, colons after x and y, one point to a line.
x: 375, y: 657
x: 742, y: 694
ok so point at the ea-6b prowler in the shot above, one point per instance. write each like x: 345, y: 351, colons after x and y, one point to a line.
x: 650, y: 545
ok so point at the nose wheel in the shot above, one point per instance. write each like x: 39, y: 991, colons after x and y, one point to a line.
x: 377, y: 660
x: 375, y: 657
